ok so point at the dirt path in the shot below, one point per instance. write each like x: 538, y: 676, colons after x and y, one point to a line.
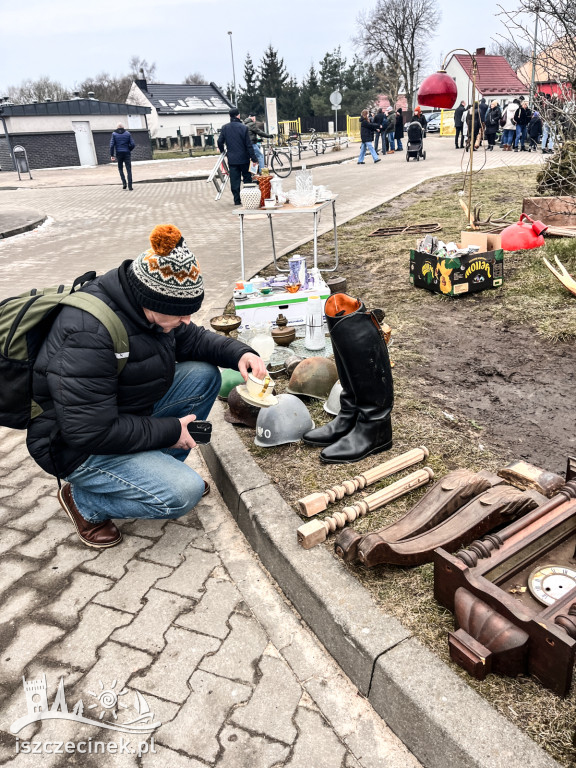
x: 504, y: 377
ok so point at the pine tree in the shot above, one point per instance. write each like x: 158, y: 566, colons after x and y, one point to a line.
x: 273, y: 75
x: 310, y: 88
x: 249, y: 102
x: 289, y: 102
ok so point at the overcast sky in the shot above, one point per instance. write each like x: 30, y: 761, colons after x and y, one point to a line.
x: 69, y: 40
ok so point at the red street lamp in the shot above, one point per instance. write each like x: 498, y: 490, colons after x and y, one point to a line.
x: 439, y: 90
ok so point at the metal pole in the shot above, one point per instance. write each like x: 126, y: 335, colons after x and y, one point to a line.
x: 233, y: 70
x: 474, y: 72
x: 533, y: 78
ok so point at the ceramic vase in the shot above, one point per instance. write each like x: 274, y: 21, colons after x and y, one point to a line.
x: 250, y: 196
x: 265, y: 184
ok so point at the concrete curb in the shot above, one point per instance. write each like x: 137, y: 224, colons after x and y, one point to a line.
x: 432, y: 710
x: 19, y: 230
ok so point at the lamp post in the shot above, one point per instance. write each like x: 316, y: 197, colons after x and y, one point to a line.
x: 533, y: 77
x: 233, y: 70
x: 439, y: 90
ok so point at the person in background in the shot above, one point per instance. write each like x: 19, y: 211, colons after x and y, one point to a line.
x: 492, y: 123
x: 534, y: 131
x: 522, y: 117
x: 391, y: 132
x: 121, y: 145
x: 419, y: 117
x: 473, y: 142
x: 483, y: 109
x: 240, y: 151
x: 399, y: 129
x: 459, y: 125
x: 256, y: 131
x: 380, y: 119
x: 509, y: 131
x: 367, y: 131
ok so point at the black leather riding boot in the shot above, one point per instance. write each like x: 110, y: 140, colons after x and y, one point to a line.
x: 346, y: 419
x: 359, y: 343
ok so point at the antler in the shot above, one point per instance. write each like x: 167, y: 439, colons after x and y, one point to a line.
x: 490, y: 222
x: 562, y: 274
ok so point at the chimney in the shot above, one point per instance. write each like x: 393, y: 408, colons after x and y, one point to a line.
x: 48, y: 101
x: 141, y: 82
x: 480, y: 51
x: 76, y: 95
x: 92, y: 96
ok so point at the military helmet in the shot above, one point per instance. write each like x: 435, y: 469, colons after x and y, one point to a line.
x: 241, y: 412
x: 282, y: 423
x: 314, y: 377
x: 290, y: 364
x: 230, y: 379
x: 332, y: 405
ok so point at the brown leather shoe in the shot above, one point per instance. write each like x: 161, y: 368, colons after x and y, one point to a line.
x: 97, y: 535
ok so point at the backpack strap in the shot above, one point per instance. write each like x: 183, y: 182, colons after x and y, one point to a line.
x: 109, y: 319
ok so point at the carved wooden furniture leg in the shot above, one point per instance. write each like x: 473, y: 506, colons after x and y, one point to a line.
x: 492, y: 508
x: 318, y: 502
x: 562, y: 274
x: 315, y: 532
x: 439, y: 502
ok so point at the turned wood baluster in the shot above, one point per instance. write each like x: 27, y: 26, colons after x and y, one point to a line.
x: 318, y: 502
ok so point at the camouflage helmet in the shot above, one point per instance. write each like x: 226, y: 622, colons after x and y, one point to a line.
x: 332, y: 405
x: 282, y: 423
x: 314, y: 377
x: 230, y: 379
x: 241, y: 412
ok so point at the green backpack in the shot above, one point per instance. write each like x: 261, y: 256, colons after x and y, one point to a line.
x: 24, y: 324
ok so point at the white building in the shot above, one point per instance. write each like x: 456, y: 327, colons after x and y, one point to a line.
x: 186, y: 110
x: 495, y: 79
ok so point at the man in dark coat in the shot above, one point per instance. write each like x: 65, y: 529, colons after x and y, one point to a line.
x: 380, y: 119
x: 121, y: 145
x: 459, y: 124
x: 240, y: 151
x: 399, y: 129
x: 120, y: 440
x: 522, y: 118
x: 483, y: 109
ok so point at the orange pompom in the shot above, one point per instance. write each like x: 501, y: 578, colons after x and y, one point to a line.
x: 164, y: 238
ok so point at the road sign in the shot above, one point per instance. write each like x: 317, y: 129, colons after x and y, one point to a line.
x: 335, y: 107
x: 335, y: 98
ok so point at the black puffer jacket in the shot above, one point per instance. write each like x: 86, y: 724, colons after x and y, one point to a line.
x: 238, y: 143
x: 367, y: 130
x: 88, y: 408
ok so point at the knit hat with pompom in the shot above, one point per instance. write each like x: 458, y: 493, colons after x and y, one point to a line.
x: 166, y: 278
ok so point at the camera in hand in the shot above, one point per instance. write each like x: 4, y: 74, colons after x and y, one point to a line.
x: 200, y: 431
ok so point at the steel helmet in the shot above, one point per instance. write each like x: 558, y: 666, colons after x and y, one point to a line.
x: 332, y: 405
x: 230, y: 379
x: 314, y: 377
x: 282, y: 423
x: 290, y: 364
x: 241, y: 412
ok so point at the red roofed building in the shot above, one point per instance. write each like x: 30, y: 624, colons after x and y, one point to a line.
x: 495, y: 79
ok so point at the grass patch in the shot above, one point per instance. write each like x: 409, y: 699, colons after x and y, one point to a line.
x: 377, y: 271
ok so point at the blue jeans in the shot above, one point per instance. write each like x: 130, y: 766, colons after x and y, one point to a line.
x: 547, y: 136
x: 391, y: 140
x: 259, y: 155
x: 363, y: 147
x: 521, y: 135
x: 151, y: 483
x: 508, y: 136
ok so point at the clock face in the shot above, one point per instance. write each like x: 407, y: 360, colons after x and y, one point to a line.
x: 549, y: 582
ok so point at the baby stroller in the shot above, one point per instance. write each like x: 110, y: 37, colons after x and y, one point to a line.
x: 415, y: 142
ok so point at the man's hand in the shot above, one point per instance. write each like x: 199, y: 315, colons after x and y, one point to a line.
x: 112, y: 159
x: 255, y: 363
x: 185, y: 441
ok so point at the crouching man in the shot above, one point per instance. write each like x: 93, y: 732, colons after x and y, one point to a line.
x: 120, y: 440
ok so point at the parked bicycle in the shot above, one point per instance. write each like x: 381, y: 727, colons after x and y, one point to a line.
x: 279, y: 161
x: 315, y: 143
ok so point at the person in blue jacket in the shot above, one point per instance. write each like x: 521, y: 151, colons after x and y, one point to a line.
x: 121, y: 145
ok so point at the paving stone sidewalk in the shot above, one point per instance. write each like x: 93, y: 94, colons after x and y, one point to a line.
x: 181, y: 612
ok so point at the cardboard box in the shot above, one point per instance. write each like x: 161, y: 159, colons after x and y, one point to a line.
x: 457, y: 275
x: 488, y: 241
x: 265, y: 309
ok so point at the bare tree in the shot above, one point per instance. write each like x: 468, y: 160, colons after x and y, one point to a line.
x: 516, y: 55
x: 106, y: 87
x: 399, y: 33
x: 136, y: 64
x: 196, y: 78
x: 37, y: 90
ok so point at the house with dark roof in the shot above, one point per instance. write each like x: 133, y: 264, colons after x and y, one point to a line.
x: 68, y: 133
x: 185, y: 110
x: 495, y: 79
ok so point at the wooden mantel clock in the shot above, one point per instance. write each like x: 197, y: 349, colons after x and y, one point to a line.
x: 513, y: 594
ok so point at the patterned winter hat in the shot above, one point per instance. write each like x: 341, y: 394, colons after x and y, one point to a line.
x: 166, y: 278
